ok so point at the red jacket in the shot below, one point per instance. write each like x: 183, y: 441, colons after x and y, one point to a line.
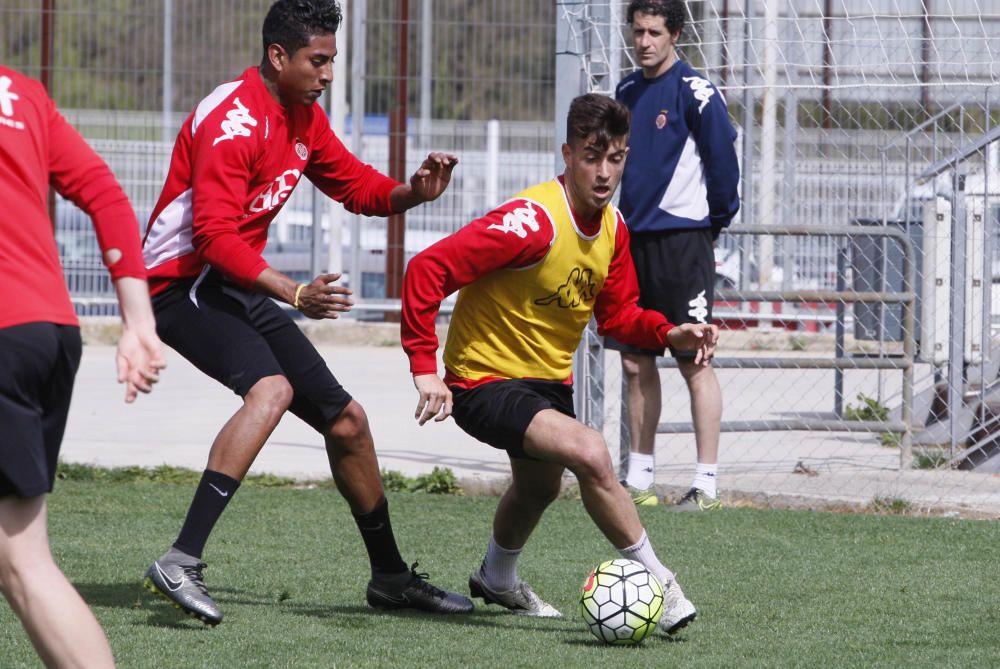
x: 38, y: 148
x: 236, y: 160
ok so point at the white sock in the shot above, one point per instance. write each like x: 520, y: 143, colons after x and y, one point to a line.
x: 644, y: 554
x: 704, y: 479
x: 640, y: 470
x: 500, y: 566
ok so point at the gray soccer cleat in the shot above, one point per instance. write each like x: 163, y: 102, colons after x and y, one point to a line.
x: 414, y: 591
x: 177, y: 578
x: 521, y: 601
x: 678, y: 611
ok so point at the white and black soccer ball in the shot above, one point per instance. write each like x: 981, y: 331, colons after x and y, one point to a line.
x: 621, y: 602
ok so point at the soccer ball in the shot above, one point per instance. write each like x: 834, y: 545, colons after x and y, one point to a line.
x: 622, y: 602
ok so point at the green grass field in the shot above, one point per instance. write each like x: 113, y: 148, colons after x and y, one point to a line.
x: 774, y: 588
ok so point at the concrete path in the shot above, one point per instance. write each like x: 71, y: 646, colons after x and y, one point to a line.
x: 177, y: 422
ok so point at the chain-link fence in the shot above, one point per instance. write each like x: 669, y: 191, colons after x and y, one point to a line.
x: 859, y: 115
x: 477, y: 82
x: 867, y: 140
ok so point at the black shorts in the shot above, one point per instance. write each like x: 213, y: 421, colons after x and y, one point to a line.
x: 498, y: 413
x: 38, y: 362
x: 676, y: 273
x: 238, y: 337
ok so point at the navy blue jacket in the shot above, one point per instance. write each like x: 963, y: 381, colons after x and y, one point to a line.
x: 681, y: 171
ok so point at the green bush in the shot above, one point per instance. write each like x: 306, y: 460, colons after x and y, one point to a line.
x: 869, y: 409
x: 394, y: 481
x: 441, y: 481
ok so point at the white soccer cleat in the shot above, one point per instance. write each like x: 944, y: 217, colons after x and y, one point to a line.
x: 678, y: 611
x: 521, y: 600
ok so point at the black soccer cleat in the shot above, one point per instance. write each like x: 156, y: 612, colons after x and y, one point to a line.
x: 179, y: 581
x: 415, y: 593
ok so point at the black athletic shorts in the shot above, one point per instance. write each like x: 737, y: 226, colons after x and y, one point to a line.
x: 238, y: 337
x: 38, y: 362
x: 676, y: 272
x: 498, y: 413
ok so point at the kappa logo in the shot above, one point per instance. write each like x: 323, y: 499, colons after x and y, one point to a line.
x: 702, y: 90
x: 516, y: 221
x: 699, y: 308
x: 276, y: 192
x: 579, y: 288
x: 235, y: 125
x: 7, y: 98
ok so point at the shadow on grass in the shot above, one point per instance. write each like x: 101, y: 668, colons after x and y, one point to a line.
x: 131, y: 595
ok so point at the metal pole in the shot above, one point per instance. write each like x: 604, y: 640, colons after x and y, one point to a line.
x: 426, y: 70
x: 747, y: 206
x: 359, y: 13
x: 316, y: 241
x: 767, y: 211
x: 957, y: 343
x: 492, y: 163
x: 396, y: 233
x: 168, y: 69
x: 48, y: 31
x: 337, y: 112
x: 838, y: 338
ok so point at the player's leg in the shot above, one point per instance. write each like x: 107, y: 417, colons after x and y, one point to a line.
x: 59, y: 623
x: 691, y: 301
x: 324, y: 404
x: 644, y: 404
x: 212, y: 328
x: 534, y: 486
x: 706, y: 414
x: 39, y: 362
x: 642, y: 377
x: 555, y: 437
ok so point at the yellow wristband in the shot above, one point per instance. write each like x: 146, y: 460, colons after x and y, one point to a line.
x: 298, y: 291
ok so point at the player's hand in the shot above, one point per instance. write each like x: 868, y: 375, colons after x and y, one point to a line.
x: 321, y: 299
x: 139, y: 359
x: 435, y: 398
x: 433, y: 176
x: 700, y: 337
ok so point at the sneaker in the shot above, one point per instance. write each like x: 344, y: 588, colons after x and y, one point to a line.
x: 521, y: 601
x: 414, y: 592
x: 647, y: 497
x: 678, y: 611
x: 177, y: 578
x: 697, y: 500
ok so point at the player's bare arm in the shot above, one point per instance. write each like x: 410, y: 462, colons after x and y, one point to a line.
x: 320, y: 298
x: 427, y: 183
x: 700, y: 337
x: 140, y: 355
x: 435, y: 398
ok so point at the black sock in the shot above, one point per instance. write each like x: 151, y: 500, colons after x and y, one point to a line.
x: 210, y: 500
x: 376, y: 531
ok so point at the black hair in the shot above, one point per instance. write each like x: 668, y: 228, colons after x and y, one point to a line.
x: 673, y: 12
x: 598, y: 115
x: 292, y: 23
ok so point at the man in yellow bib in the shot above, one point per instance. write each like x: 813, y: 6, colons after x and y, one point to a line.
x: 530, y: 274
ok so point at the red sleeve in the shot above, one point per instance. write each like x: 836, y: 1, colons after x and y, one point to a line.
x: 504, y: 238
x: 79, y: 175
x: 616, y: 307
x: 220, y: 178
x: 340, y: 175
